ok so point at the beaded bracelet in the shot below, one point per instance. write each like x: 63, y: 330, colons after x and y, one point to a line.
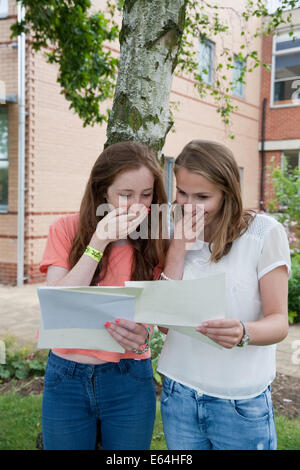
x: 146, y: 344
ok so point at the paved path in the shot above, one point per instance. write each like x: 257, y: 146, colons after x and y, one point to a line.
x: 20, y: 316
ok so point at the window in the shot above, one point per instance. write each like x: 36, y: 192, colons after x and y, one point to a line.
x: 206, y: 60
x: 241, y: 172
x: 3, y: 9
x: 3, y: 158
x: 292, y: 158
x: 272, y: 6
x: 286, y: 69
x: 238, y: 87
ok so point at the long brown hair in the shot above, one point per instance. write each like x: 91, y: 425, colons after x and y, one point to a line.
x: 117, y: 158
x: 215, y: 162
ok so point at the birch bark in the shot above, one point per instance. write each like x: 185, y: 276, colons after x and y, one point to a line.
x: 149, y: 40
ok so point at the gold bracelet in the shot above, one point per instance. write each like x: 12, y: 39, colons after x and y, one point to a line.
x: 93, y: 253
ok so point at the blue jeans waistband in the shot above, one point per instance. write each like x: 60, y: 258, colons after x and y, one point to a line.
x: 171, y: 385
x: 77, y: 368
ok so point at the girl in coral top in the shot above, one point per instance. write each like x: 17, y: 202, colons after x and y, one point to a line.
x: 84, y: 386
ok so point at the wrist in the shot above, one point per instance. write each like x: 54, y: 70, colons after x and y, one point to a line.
x: 146, y: 345
x: 177, y: 246
x: 98, y: 244
x: 245, y: 338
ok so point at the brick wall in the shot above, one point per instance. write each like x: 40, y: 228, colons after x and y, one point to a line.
x: 8, y: 222
x: 281, y: 123
x: 60, y: 152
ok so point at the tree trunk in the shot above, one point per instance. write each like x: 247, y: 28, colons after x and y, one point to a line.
x: 149, y: 39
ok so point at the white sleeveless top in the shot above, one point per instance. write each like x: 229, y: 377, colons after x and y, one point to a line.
x: 236, y: 373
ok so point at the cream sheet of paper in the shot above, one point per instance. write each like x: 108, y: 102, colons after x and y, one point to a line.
x: 182, y: 305
x: 74, y: 338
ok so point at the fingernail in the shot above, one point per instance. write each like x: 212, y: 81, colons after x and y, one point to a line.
x: 117, y: 320
x: 107, y: 324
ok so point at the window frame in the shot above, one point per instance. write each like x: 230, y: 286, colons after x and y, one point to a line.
x: 273, y: 71
x: 210, y: 76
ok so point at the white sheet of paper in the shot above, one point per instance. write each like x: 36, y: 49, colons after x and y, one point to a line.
x: 80, y: 307
x: 181, y: 305
x: 62, y: 310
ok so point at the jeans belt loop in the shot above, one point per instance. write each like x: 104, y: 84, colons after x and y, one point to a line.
x: 71, y: 368
x: 171, y: 386
x: 268, y: 397
x: 122, y: 364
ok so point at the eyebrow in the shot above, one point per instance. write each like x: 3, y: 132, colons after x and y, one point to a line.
x: 200, y: 192
x: 131, y: 190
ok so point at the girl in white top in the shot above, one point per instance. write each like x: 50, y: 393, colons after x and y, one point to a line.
x: 219, y: 398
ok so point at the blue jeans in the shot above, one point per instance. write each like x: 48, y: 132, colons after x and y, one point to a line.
x: 192, y: 421
x: 120, y: 394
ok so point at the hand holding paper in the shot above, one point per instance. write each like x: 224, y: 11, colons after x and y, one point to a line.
x: 227, y: 332
x: 128, y: 334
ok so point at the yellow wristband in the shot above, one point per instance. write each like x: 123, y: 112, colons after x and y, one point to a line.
x: 93, y: 253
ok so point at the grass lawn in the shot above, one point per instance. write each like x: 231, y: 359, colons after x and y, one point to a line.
x: 20, y: 423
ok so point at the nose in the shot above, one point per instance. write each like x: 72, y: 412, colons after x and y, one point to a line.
x: 136, y: 200
x: 190, y: 202
x: 137, y: 205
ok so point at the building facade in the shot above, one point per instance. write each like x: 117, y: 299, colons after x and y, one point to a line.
x: 59, y: 152
x: 280, y: 103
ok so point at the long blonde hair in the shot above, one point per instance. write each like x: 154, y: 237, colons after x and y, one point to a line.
x: 215, y: 162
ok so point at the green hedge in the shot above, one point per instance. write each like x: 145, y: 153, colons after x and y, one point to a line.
x: 294, y: 290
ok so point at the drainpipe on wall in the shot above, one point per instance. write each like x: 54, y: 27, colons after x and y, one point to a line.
x: 262, y: 174
x: 21, y: 148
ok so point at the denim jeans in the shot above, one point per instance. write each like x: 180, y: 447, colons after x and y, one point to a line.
x: 120, y: 394
x: 192, y: 421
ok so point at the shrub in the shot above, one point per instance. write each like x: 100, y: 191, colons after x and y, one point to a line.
x: 22, y: 362
x: 156, y: 344
x: 294, y: 291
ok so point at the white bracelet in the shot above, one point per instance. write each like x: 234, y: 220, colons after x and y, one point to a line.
x: 166, y: 278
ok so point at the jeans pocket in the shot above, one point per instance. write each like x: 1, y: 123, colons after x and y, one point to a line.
x: 140, y: 370
x: 253, y: 409
x: 53, y: 377
x: 166, y: 390
x: 165, y: 395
